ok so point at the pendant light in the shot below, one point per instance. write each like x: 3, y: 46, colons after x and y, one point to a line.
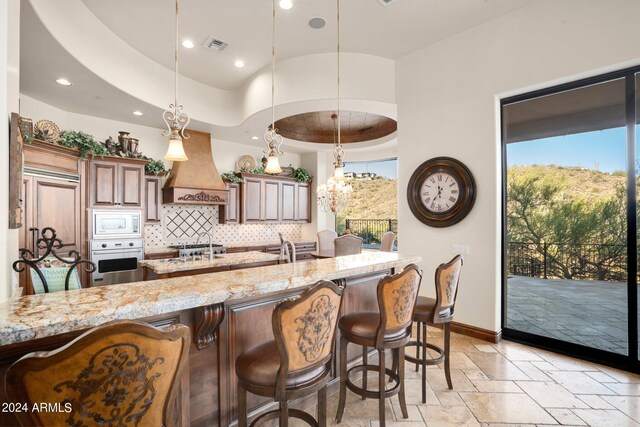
x: 271, y: 137
x: 175, y: 119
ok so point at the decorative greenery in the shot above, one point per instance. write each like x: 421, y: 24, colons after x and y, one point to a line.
x: 232, y: 177
x: 83, y: 142
x: 302, y: 175
x: 258, y: 171
x: 154, y: 167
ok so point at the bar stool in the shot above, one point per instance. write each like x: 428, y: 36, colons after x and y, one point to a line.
x: 388, y: 329
x: 437, y: 311
x: 298, y: 362
x: 120, y: 373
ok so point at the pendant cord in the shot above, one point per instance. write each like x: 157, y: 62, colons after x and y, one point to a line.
x: 273, y: 68
x: 338, y: 62
x: 176, y: 61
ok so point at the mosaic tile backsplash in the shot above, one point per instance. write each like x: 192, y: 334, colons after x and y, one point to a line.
x: 182, y: 224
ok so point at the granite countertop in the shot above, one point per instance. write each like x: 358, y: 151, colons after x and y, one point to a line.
x: 159, y: 250
x: 274, y: 242
x: 172, y: 265
x: 36, y: 316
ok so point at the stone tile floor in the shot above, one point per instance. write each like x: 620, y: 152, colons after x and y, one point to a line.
x: 588, y: 312
x: 505, y: 384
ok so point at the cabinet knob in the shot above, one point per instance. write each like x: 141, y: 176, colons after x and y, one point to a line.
x: 130, y: 243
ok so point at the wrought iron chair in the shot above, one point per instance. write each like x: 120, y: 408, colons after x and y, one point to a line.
x: 49, y: 242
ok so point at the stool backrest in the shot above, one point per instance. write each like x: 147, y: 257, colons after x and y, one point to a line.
x: 288, y: 251
x: 397, y: 295
x: 304, y: 329
x: 386, y: 243
x: 120, y: 373
x: 447, y: 279
x: 349, y: 244
x: 325, y: 240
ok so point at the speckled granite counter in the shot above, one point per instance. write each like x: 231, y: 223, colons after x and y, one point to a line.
x: 221, y: 260
x: 36, y: 316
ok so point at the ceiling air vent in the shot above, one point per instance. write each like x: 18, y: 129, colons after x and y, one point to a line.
x: 386, y: 2
x: 215, y: 44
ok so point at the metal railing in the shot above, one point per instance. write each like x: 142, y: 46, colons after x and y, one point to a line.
x: 567, y: 261
x: 371, y: 230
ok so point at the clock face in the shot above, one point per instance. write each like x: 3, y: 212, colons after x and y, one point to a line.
x: 440, y: 192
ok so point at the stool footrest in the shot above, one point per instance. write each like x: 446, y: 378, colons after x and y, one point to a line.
x: 293, y: 413
x: 360, y: 391
x: 430, y: 360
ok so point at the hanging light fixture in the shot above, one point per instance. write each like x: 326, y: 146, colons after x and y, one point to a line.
x: 175, y: 119
x: 335, y: 193
x: 271, y: 137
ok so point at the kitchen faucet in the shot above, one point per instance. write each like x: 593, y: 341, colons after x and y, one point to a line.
x: 209, y: 235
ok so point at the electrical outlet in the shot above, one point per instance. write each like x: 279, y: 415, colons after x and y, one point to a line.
x: 460, y: 249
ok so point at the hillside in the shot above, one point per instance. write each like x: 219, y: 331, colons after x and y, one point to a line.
x: 375, y: 199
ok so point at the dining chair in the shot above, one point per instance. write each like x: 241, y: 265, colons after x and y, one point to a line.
x: 325, y: 240
x: 349, y: 244
x: 386, y: 244
x: 120, y: 373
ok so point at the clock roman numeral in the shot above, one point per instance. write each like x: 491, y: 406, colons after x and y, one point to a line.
x: 452, y: 199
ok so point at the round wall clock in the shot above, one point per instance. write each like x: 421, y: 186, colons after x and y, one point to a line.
x: 441, y: 192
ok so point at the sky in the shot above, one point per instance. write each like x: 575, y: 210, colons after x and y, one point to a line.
x: 385, y: 168
x: 602, y: 150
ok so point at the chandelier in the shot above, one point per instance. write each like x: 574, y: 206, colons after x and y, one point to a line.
x: 271, y: 137
x: 333, y: 195
x: 175, y: 119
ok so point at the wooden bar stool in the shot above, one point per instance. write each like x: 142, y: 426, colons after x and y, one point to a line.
x: 436, y: 311
x: 297, y: 362
x: 388, y: 329
x: 120, y: 373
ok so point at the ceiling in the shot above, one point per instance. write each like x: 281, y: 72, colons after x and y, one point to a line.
x: 367, y: 27
x: 319, y: 127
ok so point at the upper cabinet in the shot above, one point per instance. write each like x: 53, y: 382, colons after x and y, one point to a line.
x: 153, y: 199
x: 267, y: 199
x: 116, y: 183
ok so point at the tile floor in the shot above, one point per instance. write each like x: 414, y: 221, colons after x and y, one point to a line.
x: 505, y: 384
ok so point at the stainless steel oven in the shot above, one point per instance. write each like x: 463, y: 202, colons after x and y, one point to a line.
x: 116, y: 224
x: 116, y: 261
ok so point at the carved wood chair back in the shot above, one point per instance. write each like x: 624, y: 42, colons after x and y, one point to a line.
x: 120, y: 373
x: 386, y: 243
x: 397, y: 295
x: 446, y: 281
x: 325, y: 240
x: 304, y: 329
x: 349, y: 244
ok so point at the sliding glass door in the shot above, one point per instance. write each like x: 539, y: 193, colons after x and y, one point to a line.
x: 569, y: 182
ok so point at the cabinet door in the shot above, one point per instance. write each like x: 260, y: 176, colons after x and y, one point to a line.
x: 104, y: 176
x: 233, y: 207
x: 130, y: 186
x: 289, y: 201
x: 252, y: 200
x: 153, y: 199
x: 304, y: 203
x: 57, y: 205
x: 271, y: 201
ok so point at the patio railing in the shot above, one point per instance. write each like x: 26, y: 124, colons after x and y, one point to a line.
x: 371, y: 230
x: 567, y: 261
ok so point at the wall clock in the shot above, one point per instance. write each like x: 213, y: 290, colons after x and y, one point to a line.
x: 441, y: 192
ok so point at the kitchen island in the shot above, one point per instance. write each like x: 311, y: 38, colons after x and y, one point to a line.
x: 228, y: 312
x: 190, y: 266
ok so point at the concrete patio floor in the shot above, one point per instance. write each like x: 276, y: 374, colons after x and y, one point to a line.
x: 592, y: 313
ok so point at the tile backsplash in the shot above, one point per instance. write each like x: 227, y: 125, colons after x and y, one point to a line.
x: 182, y: 224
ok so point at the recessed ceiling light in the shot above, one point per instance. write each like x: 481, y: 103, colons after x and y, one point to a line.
x: 317, y: 22
x: 254, y: 137
x: 63, y: 82
x: 239, y: 63
x: 286, y: 4
x: 188, y: 44
x: 138, y: 113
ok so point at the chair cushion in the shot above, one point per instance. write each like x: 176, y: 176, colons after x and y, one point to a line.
x: 425, y: 308
x: 364, y: 326
x: 259, y: 366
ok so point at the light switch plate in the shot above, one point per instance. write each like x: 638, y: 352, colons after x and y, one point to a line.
x: 460, y: 249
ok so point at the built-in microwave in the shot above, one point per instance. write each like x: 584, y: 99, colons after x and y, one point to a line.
x: 109, y: 224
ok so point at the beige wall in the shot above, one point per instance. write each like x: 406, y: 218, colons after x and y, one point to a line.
x: 448, y: 104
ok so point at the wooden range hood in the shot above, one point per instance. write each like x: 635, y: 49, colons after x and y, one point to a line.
x: 197, y: 180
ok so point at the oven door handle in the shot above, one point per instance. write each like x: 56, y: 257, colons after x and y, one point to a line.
x: 116, y: 251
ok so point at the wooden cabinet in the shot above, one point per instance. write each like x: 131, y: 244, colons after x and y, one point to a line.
x: 115, y: 183
x: 272, y: 202
x: 304, y: 203
x: 252, y: 200
x: 289, y: 201
x: 230, y: 213
x: 153, y: 199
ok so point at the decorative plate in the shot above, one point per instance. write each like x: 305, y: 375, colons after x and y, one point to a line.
x: 46, y: 130
x: 246, y: 163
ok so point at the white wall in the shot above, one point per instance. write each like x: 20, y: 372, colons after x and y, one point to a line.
x: 152, y: 144
x: 448, y: 104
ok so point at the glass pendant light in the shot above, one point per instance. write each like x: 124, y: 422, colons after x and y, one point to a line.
x: 271, y: 137
x: 175, y: 119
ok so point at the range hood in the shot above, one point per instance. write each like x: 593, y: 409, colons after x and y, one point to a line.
x: 197, y: 180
